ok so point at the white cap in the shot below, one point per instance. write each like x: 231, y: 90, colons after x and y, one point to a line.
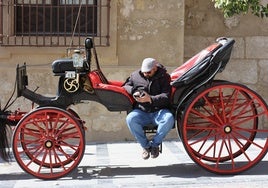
x: 148, y: 64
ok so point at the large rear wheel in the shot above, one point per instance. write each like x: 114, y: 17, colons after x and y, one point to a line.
x: 223, y: 128
x: 48, y: 143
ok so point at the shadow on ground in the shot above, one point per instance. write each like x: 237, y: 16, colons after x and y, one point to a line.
x: 110, y: 172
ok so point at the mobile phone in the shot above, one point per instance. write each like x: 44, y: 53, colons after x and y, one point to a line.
x: 142, y: 94
x: 136, y: 95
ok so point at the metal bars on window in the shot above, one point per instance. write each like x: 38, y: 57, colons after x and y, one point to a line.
x: 54, y: 22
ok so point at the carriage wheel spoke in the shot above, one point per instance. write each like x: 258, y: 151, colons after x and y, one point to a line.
x: 222, y: 128
x: 48, y: 143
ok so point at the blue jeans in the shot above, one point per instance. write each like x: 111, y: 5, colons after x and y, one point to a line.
x: 137, y: 119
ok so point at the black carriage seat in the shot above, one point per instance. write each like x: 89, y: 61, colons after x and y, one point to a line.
x: 60, y: 66
x: 111, y: 93
x: 204, y: 64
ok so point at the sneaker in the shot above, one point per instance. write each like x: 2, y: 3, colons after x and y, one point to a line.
x: 146, y: 153
x: 154, y: 152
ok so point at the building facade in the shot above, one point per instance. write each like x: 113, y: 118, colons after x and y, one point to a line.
x: 124, y: 32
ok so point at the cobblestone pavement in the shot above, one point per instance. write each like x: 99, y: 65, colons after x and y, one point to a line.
x: 120, y: 165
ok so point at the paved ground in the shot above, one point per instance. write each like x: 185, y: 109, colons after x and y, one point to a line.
x: 117, y: 165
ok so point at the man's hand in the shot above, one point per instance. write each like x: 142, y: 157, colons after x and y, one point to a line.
x: 142, y: 97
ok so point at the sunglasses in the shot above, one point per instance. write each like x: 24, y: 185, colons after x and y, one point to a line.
x: 147, y: 72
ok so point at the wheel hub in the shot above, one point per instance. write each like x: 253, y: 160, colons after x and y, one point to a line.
x: 227, y: 129
x: 48, y: 144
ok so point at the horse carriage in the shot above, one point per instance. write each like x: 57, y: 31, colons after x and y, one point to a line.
x: 220, y: 123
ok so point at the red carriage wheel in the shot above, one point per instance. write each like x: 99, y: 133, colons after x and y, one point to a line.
x: 48, y: 143
x: 55, y: 165
x: 222, y: 128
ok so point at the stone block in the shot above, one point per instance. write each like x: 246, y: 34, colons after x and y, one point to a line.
x: 256, y: 47
x: 239, y: 48
x: 242, y: 71
x: 263, y: 92
x: 263, y: 77
x: 147, y: 29
x: 4, y: 54
x: 194, y: 44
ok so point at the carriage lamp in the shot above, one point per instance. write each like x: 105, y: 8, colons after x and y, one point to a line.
x: 77, y: 59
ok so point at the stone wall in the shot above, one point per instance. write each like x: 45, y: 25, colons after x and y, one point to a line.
x: 249, y: 61
x: 147, y: 27
x: 138, y: 29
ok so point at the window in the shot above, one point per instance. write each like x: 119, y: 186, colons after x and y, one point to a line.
x: 62, y: 22
x: 55, y: 17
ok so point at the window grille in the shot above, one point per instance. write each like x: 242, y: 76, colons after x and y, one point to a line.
x: 54, y: 22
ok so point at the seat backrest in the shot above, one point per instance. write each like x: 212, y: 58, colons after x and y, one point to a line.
x: 201, y: 71
x: 205, y: 62
x: 223, y: 54
x: 193, y: 67
x: 96, y: 77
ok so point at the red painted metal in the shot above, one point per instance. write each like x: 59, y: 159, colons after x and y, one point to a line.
x: 221, y: 126
x: 48, y: 143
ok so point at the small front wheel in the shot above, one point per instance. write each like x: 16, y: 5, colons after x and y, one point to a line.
x: 48, y: 143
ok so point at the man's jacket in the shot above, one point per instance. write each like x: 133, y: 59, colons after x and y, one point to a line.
x: 158, y: 87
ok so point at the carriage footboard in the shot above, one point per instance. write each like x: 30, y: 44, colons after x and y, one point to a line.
x: 22, y: 90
